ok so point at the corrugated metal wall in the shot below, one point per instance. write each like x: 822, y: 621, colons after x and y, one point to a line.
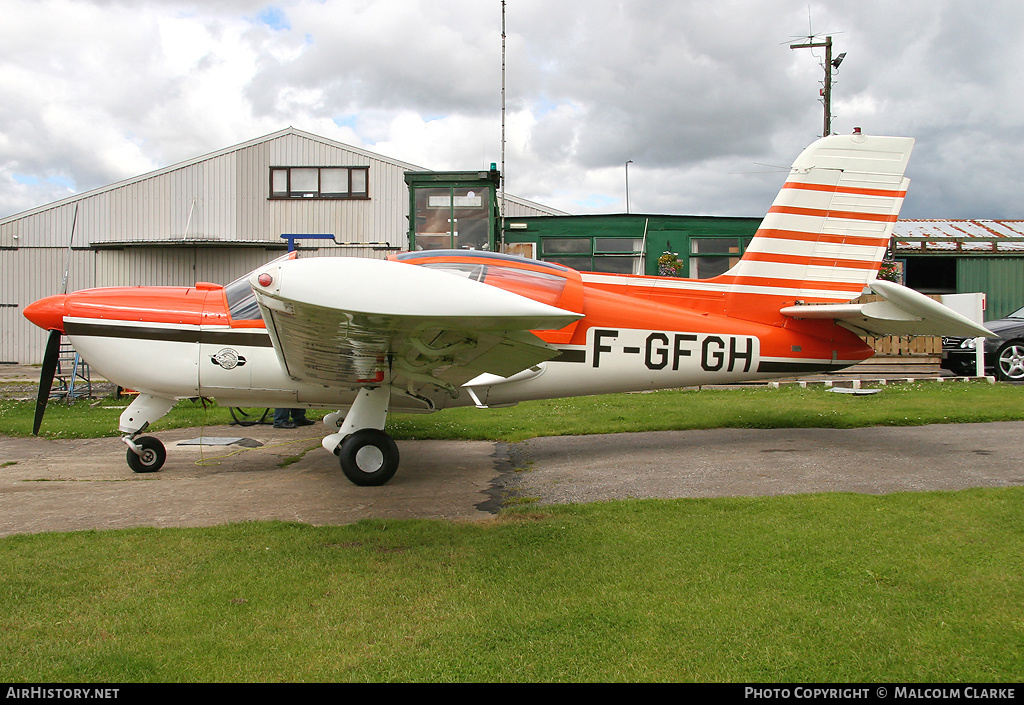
x: 224, y: 197
x: 37, y: 272
x: 122, y: 232
x: 177, y: 266
x: 1000, y: 278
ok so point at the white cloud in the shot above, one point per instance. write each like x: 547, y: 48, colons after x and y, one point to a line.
x: 697, y: 93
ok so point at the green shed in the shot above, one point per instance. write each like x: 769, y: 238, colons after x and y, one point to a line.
x: 705, y: 246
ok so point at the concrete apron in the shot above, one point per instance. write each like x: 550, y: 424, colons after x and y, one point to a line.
x: 67, y: 485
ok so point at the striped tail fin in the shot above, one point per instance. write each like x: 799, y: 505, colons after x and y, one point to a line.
x: 827, y: 232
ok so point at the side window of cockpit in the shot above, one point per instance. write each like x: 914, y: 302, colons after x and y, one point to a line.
x: 546, y: 288
x: 470, y: 271
x: 242, y: 304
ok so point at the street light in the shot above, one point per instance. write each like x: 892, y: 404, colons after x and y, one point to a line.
x: 628, y: 162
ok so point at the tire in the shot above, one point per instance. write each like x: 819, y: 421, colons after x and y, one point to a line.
x: 1010, y: 361
x: 152, y: 458
x: 368, y: 457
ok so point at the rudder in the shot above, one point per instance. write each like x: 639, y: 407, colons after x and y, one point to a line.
x: 824, y: 238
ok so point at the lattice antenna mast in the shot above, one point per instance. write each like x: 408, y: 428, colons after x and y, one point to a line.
x: 502, y: 214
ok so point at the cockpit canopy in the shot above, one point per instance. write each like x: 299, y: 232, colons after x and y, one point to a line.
x: 546, y: 282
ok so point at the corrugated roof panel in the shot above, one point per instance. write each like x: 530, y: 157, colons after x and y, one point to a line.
x: 972, y: 236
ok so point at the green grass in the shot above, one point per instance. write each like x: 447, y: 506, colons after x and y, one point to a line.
x: 756, y: 407
x: 910, y: 587
x: 919, y: 587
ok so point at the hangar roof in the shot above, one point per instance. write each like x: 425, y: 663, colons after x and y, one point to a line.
x: 959, y: 236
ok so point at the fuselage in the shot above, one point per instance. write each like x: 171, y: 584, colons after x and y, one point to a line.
x: 636, y: 333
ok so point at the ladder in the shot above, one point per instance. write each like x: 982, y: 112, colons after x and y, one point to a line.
x: 71, y: 380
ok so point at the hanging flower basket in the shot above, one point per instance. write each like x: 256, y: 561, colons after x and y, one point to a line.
x: 669, y: 265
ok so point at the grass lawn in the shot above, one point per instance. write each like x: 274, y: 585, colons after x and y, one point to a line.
x: 837, y: 587
x: 906, y: 404
x: 915, y: 587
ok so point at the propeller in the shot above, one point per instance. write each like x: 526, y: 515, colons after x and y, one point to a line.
x: 48, y: 314
x: 46, y: 378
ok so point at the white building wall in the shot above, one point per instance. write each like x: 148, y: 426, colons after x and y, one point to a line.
x: 170, y: 227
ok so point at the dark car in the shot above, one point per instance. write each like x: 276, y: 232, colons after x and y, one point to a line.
x: 1004, y: 356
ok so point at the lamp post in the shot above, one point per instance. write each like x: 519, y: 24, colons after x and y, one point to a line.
x: 628, y: 162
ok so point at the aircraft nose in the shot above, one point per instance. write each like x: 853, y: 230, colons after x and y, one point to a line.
x: 47, y: 313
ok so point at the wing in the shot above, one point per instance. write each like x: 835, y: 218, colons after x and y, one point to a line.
x: 353, y: 322
x: 903, y: 312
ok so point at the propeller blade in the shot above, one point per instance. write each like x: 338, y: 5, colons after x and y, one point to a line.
x: 46, y: 378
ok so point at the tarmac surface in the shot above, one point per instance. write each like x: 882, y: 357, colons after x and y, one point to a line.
x: 67, y: 485
x: 226, y: 474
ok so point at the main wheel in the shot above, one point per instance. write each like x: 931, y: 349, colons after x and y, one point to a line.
x: 152, y: 458
x: 1010, y: 361
x: 368, y: 457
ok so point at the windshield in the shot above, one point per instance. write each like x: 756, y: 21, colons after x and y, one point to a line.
x: 1019, y: 313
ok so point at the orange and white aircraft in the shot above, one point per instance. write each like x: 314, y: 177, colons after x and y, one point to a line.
x: 427, y: 330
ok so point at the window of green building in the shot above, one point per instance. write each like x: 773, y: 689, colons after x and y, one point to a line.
x: 452, y: 218
x: 612, y: 255
x: 712, y: 256
x: 453, y: 210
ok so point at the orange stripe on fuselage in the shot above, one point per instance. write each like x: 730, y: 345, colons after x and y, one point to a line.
x: 823, y: 237
x: 152, y: 304
x: 791, y: 284
x: 884, y: 193
x: 804, y: 259
x: 826, y: 213
x: 817, y: 338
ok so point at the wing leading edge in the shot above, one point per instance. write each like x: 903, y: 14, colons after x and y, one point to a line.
x: 356, y: 322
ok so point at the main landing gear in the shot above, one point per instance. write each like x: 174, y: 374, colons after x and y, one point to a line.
x: 368, y: 456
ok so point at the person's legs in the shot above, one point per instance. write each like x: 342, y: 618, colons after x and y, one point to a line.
x: 299, y: 418
x: 281, y: 419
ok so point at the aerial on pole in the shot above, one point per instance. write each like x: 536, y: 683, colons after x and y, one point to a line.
x: 828, y: 65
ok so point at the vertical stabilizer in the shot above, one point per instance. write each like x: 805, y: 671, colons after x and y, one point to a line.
x: 827, y: 232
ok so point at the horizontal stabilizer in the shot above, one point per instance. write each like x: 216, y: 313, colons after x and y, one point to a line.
x: 903, y: 312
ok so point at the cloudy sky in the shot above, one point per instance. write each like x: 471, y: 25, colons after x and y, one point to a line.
x: 704, y: 96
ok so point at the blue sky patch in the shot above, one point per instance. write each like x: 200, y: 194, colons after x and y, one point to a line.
x: 347, y: 121
x: 596, y: 200
x: 274, y: 18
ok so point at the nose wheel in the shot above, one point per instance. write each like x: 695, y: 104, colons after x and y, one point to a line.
x: 368, y: 457
x: 146, y: 455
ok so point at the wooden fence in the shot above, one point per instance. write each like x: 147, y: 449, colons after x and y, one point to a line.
x: 902, y: 345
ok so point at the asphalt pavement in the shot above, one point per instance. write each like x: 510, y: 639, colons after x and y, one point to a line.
x: 258, y: 472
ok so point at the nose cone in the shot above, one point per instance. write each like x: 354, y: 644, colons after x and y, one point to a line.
x: 47, y: 313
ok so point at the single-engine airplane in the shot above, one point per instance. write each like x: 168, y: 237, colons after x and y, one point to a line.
x: 426, y: 330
